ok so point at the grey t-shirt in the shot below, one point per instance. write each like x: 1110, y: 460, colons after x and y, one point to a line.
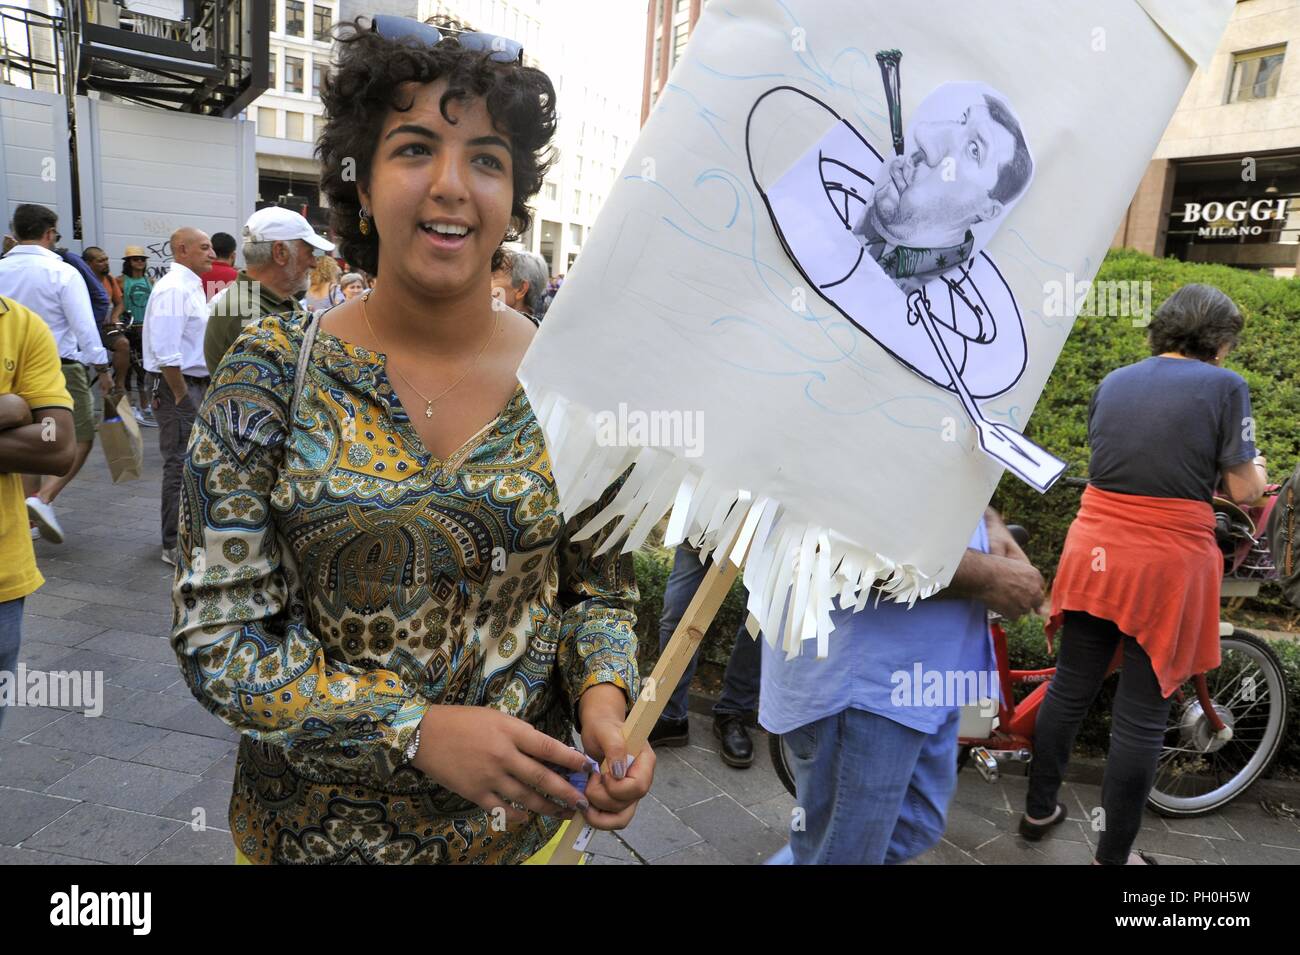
x: 1166, y: 427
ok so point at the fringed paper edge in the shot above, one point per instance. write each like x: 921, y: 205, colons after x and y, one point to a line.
x: 795, y: 570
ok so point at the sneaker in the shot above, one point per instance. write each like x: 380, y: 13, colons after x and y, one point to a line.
x: 671, y: 733
x: 144, y: 418
x: 737, y: 748
x: 42, y: 516
x: 36, y: 533
x: 169, y: 555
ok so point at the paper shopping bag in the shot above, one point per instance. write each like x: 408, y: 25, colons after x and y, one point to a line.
x: 119, y: 436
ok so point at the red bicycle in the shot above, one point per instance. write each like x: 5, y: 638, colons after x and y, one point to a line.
x: 1225, y: 727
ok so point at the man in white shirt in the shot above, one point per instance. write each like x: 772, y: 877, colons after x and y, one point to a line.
x: 172, y: 346
x: 33, y: 275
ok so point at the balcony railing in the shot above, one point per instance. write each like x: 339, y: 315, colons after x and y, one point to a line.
x: 31, y: 49
x: 213, y: 61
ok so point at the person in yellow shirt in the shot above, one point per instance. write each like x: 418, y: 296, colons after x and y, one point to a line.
x: 36, y: 437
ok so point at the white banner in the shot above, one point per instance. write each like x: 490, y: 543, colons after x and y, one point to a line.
x: 820, y: 283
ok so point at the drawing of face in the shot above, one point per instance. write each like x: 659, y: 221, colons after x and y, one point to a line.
x: 931, y: 195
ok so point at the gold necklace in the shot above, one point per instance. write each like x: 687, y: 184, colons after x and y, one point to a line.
x: 428, y: 402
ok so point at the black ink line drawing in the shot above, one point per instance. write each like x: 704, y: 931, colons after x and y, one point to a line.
x: 931, y: 297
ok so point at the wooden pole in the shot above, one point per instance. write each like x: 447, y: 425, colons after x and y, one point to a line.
x: 661, y: 683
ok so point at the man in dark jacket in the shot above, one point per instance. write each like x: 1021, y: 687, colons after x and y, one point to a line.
x: 279, y: 249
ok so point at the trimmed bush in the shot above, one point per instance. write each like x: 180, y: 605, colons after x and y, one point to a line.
x: 1267, y: 358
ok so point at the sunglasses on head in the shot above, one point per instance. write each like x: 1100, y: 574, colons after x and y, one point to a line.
x: 502, y: 49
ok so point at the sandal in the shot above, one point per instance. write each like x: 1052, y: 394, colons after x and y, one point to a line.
x: 1033, y: 831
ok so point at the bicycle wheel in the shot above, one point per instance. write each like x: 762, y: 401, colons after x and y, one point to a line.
x: 1199, y: 773
x: 779, y: 762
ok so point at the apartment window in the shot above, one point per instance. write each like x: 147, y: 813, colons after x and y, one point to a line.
x: 293, y: 74
x: 575, y: 233
x: 577, y: 200
x: 292, y: 125
x: 275, y: 17
x: 265, y: 121
x: 271, y: 63
x: 551, y: 192
x: 317, y: 127
x: 1255, y: 74
x: 681, y: 33
x: 317, y: 76
x: 295, y: 18
x: 321, y: 23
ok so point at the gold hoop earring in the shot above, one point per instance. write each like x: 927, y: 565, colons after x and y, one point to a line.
x: 363, y: 222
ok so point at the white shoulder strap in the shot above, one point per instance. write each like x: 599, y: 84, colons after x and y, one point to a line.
x: 304, y: 360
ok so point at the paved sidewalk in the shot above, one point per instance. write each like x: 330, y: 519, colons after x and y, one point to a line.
x: 149, y: 781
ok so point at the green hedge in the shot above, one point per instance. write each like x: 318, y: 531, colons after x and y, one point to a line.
x: 1268, y: 358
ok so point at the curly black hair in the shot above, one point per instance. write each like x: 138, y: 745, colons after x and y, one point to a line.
x: 365, y: 85
x: 1197, y: 320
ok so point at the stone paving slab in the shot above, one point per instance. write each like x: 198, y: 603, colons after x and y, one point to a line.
x: 32, y: 766
x: 123, y: 785
x: 26, y: 813
x: 103, y: 834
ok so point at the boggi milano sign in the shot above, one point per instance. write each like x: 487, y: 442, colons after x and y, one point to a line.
x: 1237, y: 212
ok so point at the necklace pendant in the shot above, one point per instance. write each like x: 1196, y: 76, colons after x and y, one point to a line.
x: 428, y: 410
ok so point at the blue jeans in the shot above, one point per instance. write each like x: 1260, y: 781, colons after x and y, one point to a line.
x: 873, y: 791
x: 741, y: 680
x: 11, y: 634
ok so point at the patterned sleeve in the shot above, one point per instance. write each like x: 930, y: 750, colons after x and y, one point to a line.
x: 240, y: 629
x: 598, y: 595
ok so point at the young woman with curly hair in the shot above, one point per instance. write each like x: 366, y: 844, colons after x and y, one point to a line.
x: 378, y: 590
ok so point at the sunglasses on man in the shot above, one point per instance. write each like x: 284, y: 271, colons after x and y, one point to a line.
x: 502, y: 49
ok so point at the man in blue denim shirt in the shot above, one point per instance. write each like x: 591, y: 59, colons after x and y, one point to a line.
x: 874, y: 754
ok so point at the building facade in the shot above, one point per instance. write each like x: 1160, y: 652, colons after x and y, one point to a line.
x: 1224, y: 183
x: 597, y: 112
x: 668, y: 26
x: 289, y: 114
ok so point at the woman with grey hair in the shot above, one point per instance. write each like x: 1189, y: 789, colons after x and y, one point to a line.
x: 520, y: 282
x: 1139, y: 576
x: 352, y: 284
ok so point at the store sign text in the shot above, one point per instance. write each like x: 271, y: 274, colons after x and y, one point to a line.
x: 1237, y: 211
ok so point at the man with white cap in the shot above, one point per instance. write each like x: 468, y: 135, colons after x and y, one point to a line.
x: 279, y: 249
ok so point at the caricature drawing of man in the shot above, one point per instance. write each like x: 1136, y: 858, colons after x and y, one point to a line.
x: 959, y: 172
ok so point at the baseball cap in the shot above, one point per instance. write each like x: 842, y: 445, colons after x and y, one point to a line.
x: 276, y: 224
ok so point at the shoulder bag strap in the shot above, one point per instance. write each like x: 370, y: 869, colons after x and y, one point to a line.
x: 304, y: 360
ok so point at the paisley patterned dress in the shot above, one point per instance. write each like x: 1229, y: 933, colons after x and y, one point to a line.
x: 335, y: 580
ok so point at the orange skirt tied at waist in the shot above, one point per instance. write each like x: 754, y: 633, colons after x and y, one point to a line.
x: 1151, y: 566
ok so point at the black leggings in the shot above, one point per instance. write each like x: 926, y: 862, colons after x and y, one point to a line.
x: 1137, y: 732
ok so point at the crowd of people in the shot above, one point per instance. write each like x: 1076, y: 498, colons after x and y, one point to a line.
x: 373, y: 580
